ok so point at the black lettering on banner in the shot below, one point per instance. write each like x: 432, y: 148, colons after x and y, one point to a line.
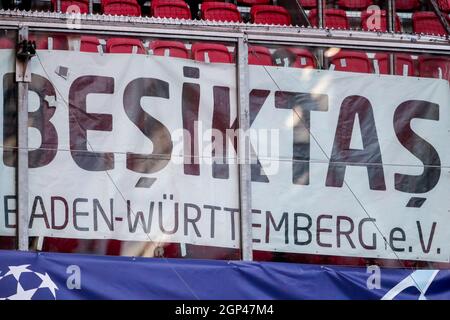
x: 322, y: 230
x: 347, y: 233
x: 306, y: 229
x: 301, y: 104
x: 153, y: 129
x: 39, y: 119
x: 232, y: 212
x: 9, y: 211
x: 420, y: 148
x: 53, y: 201
x: 80, y: 121
x: 193, y: 221
x: 213, y: 210
x: 139, y: 215
x: 42, y: 215
x: 9, y: 120
x: 221, y: 122
x: 257, y: 99
x: 426, y: 248
x: 76, y: 214
x: 342, y: 155
x: 108, y: 220
x: 270, y: 221
x: 393, y: 237
x: 190, y: 107
x: 175, y: 218
x: 366, y: 246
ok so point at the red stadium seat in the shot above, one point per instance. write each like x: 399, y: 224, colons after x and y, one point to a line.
x: 124, y: 45
x: 334, y: 18
x: 72, y: 6
x: 220, y: 11
x: 304, y: 58
x: 56, y: 42
x: 351, y: 61
x: 444, y: 5
x: 402, y: 61
x: 434, y: 67
x: 211, y: 52
x: 258, y: 55
x: 427, y: 23
x: 265, y: 14
x: 407, y: 5
x: 89, y: 44
x: 308, y: 4
x: 367, y: 22
x: 174, y: 49
x: 175, y: 9
x: 7, y: 43
x: 354, y: 4
x: 121, y: 7
x: 253, y: 2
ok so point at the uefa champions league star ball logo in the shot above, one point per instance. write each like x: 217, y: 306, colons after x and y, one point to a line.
x: 22, y: 283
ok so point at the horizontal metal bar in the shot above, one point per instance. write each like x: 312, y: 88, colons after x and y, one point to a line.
x: 195, y: 29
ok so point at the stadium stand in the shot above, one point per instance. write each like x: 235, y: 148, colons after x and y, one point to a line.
x: 367, y: 22
x: 89, y: 44
x: 258, y: 55
x: 124, y: 45
x: 407, y: 5
x: 434, y: 67
x: 334, y: 18
x: 56, y: 42
x: 444, y: 5
x: 350, y: 61
x: 266, y: 14
x: 174, y: 49
x: 253, y: 2
x: 7, y: 43
x: 121, y: 7
x: 427, y: 23
x: 69, y: 5
x: 308, y: 4
x: 294, y: 58
x: 354, y: 4
x: 303, y: 58
x: 220, y: 11
x: 404, y: 64
x: 211, y: 52
x: 176, y: 9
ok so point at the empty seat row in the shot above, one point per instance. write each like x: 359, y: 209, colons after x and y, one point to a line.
x: 423, y: 21
x: 179, y: 9
x: 359, y: 5
x: 344, y: 60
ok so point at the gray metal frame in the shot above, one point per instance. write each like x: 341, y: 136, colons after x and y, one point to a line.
x: 238, y: 33
x: 23, y: 77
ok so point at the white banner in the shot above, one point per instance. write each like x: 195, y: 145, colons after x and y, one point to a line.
x: 136, y: 147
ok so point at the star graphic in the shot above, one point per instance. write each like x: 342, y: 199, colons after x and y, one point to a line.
x: 16, y: 271
x: 22, y: 294
x: 47, y: 283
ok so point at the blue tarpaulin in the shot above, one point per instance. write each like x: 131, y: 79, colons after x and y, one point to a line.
x: 28, y: 275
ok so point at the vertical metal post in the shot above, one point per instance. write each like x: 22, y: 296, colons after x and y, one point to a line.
x: 245, y: 192
x: 23, y: 77
x: 58, y: 5
x: 391, y: 15
x: 91, y: 6
x: 320, y: 13
x: 391, y: 63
